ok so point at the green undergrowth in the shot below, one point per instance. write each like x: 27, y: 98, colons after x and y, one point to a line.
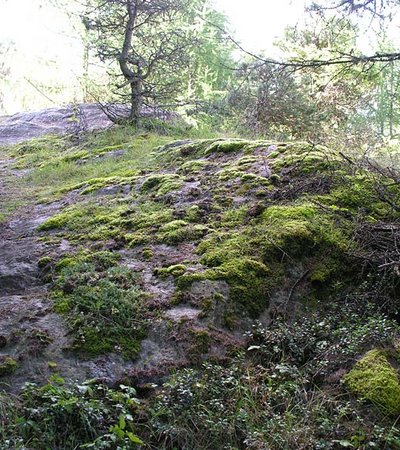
x: 273, y: 396
x: 102, y: 303
x: 277, y: 394
x: 56, y: 415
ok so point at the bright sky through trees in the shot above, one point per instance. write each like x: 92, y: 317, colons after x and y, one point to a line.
x: 45, y: 49
x: 259, y: 22
x: 46, y: 52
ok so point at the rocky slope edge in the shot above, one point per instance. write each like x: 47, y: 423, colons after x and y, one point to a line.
x: 231, y: 284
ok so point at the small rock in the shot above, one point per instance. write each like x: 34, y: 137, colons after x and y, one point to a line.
x: 116, y: 153
x: 126, y: 189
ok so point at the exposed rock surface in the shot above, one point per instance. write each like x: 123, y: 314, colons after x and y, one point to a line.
x: 32, y: 336
x: 69, y: 119
x: 26, y: 125
x: 263, y: 270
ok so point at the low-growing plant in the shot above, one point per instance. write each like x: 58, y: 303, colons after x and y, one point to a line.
x: 324, y: 341
x: 102, y: 303
x: 275, y: 396
x: 56, y: 416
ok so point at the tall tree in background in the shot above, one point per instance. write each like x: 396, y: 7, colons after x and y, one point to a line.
x: 150, y: 41
x: 210, y: 70
x: 385, y: 109
x: 272, y: 103
x: 338, y: 92
x: 310, y: 102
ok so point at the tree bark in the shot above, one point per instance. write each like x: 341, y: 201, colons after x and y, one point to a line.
x: 133, y: 78
x: 136, y: 101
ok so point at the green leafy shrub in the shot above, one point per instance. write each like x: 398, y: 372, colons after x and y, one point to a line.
x: 87, y: 416
x: 273, y: 397
x: 324, y: 341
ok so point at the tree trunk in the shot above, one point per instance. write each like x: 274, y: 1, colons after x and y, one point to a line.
x: 391, y: 134
x: 136, y: 102
x: 134, y: 79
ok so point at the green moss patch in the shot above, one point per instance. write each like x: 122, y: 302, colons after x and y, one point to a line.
x: 34, y: 152
x: 8, y: 366
x: 175, y: 270
x: 226, y: 146
x: 251, y: 254
x: 178, y: 231
x: 194, y: 167
x: 102, y: 302
x: 161, y: 184
x: 374, y: 379
x: 249, y: 281
x: 305, y: 158
x: 94, y: 184
x: 88, y: 220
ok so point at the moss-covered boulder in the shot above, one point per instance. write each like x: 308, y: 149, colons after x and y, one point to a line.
x: 8, y: 366
x: 373, y: 378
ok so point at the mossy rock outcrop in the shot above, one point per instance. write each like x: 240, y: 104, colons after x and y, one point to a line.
x: 257, y: 213
x: 374, y: 379
x: 240, y: 272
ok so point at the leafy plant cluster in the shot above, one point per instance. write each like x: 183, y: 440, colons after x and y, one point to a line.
x: 283, y: 394
x: 82, y: 416
x: 322, y: 343
x: 273, y: 396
